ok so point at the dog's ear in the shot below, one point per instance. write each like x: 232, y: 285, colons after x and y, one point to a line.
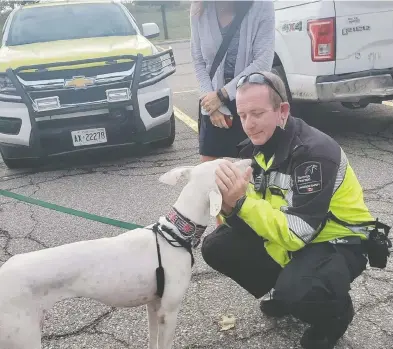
x: 243, y: 164
x: 215, y: 199
x: 172, y: 177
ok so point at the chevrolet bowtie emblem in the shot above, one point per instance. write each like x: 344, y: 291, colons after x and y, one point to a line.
x: 79, y: 82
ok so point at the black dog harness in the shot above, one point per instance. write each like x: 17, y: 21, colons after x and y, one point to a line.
x: 192, y: 234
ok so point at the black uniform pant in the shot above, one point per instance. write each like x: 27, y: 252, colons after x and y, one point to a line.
x: 313, y: 286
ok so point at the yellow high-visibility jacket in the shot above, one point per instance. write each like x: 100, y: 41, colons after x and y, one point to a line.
x: 307, y: 181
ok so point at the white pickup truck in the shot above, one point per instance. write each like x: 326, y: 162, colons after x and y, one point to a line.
x: 335, y: 51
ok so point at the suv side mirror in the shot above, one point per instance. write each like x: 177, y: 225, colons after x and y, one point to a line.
x: 150, y: 30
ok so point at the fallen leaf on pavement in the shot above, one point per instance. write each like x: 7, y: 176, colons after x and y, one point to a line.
x: 227, y: 322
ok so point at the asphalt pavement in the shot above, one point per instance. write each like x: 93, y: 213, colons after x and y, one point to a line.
x: 124, y: 186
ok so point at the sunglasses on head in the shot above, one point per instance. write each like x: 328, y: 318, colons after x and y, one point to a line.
x: 257, y: 78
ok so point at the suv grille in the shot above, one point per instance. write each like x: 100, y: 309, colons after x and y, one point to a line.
x: 78, y: 96
x: 41, y: 84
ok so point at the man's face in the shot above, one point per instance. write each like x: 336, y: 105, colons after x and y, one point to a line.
x: 257, y: 115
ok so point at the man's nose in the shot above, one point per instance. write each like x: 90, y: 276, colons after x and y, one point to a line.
x: 249, y: 123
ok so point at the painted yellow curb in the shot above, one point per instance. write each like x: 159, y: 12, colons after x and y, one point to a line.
x: 190, y: 122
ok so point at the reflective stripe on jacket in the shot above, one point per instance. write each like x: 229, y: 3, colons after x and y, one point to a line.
x: 307, y: 178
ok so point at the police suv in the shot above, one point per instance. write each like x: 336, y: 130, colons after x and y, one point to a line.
x: 335, y: 51
x: 80, y: 75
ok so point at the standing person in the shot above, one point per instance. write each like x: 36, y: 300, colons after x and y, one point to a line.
x: 245, y: 29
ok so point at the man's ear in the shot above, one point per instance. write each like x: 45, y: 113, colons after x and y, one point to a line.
x: 284, y: 113
x: 215, y: 199
x: 172, y: 177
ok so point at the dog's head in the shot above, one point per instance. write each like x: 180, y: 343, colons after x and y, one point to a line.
x: 202, y: 177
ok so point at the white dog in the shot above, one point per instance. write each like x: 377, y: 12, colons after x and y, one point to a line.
x: 122, y: 271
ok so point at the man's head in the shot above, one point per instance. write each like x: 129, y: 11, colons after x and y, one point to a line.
x: 262, y: 105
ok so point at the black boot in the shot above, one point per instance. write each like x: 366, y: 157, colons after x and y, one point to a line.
x: 326, y: 336
x: 315, y: 338
x: 273, y: 308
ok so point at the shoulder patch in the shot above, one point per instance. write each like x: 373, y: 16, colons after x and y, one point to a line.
x: 308, y: 177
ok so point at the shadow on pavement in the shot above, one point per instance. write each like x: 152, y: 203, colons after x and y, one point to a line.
x: 336, y: 120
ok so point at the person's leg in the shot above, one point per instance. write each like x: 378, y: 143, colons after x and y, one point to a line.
x: 205, y: 158
x: 240, y: 255
x: 315, y: 286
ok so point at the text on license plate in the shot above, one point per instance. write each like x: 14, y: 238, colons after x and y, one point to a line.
x: 87, y: 137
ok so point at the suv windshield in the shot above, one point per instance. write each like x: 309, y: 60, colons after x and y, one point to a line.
x: 67, y: 22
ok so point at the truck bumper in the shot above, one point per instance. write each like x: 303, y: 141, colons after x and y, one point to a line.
x: 58, y: 142
x: 372, y: 86
x: 123, y: 126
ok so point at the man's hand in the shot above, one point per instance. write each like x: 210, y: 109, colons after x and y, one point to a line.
x: 232, y: 184
x: 218, y: 119
x: 211, y: 102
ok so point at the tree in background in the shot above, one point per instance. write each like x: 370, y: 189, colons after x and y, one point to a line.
x: 164, y: 5
x: 6, y: 5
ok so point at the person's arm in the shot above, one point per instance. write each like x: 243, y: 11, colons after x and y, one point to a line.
x: 313, y: 185
x: 202, y: 75
x: 263, y: 48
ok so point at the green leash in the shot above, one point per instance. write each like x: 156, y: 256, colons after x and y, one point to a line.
x: 92, y: 217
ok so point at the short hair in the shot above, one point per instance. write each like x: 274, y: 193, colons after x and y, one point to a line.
x: 280, y: 87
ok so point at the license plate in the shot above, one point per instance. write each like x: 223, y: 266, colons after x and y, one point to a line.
x: 87, y: 137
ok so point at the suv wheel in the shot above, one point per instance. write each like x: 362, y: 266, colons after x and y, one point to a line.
x: 167, y: 142
x: 19, y: 163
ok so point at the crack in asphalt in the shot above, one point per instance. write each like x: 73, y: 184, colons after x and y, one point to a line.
x: 7, y: 236
x: 387, y: 333
x: 377, y: 188
x: 80, y: 330
x: 111, y: 335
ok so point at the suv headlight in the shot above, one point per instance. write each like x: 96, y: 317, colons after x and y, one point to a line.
x: 7, y: 89
x: 6, y: 86
x: 151, y: 68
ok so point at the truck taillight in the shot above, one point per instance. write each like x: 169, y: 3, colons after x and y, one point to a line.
x: 323, y: 39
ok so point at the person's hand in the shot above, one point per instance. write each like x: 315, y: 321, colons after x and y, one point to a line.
x: 218, y: 119
x: 210, y: 102
x: 232, y: 184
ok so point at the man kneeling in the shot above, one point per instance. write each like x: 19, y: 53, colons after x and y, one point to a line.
x: 289, y: 231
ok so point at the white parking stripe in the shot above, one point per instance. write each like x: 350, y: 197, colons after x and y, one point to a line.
x: 185, y: 91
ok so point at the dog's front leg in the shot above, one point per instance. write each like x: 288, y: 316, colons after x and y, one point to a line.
x: 152, y: 316
x: 167, y: 325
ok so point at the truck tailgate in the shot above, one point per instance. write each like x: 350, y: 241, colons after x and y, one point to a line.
x: 364, y: 35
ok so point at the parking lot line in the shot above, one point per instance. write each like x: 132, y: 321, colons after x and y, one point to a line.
x: 71, y: 211
x: 190, y: 122
x: 185, y: 91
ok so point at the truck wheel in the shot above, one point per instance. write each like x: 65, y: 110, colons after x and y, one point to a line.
x: 19, y: 163
x: 296, y: 107
x: 279, y: 70
x: 351, y: 105
x: 167, y: 142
